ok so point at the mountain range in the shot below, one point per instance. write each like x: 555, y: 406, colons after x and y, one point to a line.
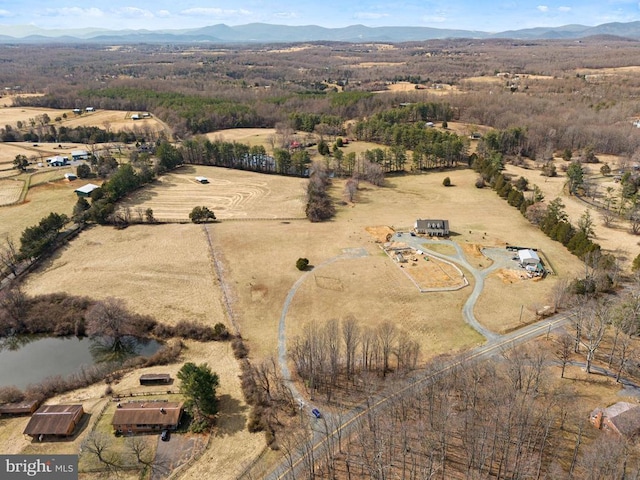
x: 267, y: 33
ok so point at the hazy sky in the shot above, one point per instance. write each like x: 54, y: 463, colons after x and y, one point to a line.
x: 485, y: 15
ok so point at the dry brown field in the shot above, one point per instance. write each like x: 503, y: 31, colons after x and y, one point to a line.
x: 10, y: 191
x: 249, y: 136
x: 159, y: 270
x: 231, y: 194
x: 41, y: 151
x: 614, y: 240
x: 58, y: 197
x: 113, y: 120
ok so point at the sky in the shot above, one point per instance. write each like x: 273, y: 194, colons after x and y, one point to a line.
x: 483, y: 15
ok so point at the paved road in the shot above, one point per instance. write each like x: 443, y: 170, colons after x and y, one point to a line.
x: 327, y: 433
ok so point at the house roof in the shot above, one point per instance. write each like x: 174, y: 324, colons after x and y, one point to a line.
x: 87, y: 189
x: 432, y: 224
x: 626, y: 421
x: 155, y: 376
x: 149, y: 413
x: 53, y: 420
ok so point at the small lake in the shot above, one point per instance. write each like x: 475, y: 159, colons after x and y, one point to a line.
x: 25, y: 360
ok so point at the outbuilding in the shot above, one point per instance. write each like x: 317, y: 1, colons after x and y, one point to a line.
x: 528, y: 257
x: 58, y: 420
x: 79, y: 154
x: 85, y: 190
x: 58, y: 161
x: 70, y: 176
x: 155, y: 379
x: 202, y: 179
x: 26, y: 407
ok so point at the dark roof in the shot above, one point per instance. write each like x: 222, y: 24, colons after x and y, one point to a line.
x: 27, y: 406
x: 628, y: 422
x: 433, y: 224
x: 53, y: 420
x: 150, y: 413
x: 155, y: 377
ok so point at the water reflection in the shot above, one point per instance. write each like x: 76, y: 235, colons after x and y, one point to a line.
x: 118, y: 349
x: 26, y: 359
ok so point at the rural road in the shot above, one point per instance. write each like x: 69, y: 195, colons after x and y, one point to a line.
x: 330, y: 429
x: 334, y: 427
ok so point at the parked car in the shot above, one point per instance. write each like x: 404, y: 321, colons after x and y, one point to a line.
x: 413, y: 234
x: 316, y: 413
x: 164, y: 436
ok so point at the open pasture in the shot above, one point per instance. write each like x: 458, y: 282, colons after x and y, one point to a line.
x: 159, y: 270
x: 249, y: 136
x: 617, y: 240
x: 231, y: 194
x: 41, y: 200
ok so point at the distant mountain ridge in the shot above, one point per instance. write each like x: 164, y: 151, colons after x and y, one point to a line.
x: 269, y: 33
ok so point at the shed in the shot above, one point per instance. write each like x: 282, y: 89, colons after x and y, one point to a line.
x: 528, y: 257
x: 90, y: 109
x: 134, y: 417
x: 19, y: 408
x: 70, y: 176
x: 77, y: 111
x: 79, y: 154
x: 202, y: 179
x: 155, y: 379
x: 135, y: 116
x: 59, y: 420
x: 434, y: 228
x: 85, y: 190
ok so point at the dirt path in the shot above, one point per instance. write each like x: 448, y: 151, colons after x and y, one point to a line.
x: 347, y: 254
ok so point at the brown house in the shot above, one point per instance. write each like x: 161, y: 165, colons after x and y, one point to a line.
x: 19, y: 408
x: 59, y: 420
x: 134, y: 417
x: 622, y: 418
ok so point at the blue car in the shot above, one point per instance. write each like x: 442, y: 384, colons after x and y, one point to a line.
x: 316, y: 413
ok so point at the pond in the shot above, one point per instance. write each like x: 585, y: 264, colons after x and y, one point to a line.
x: 29, y: 359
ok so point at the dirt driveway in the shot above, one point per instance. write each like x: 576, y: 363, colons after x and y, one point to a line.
x: 176, y: 452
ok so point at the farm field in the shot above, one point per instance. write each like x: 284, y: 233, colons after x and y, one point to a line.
x: 231, y: 194
x: 618, y: 240
x: 141, y: 265
x: 41, y: 200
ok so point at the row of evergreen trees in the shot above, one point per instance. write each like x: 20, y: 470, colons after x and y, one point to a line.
x: 552, y: 219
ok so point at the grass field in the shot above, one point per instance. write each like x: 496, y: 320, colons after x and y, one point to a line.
x: 229, y: 193
x: 113, y: 120
x: 41, y: 200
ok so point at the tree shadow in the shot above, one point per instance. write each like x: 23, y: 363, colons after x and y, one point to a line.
x: 231, y: 416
